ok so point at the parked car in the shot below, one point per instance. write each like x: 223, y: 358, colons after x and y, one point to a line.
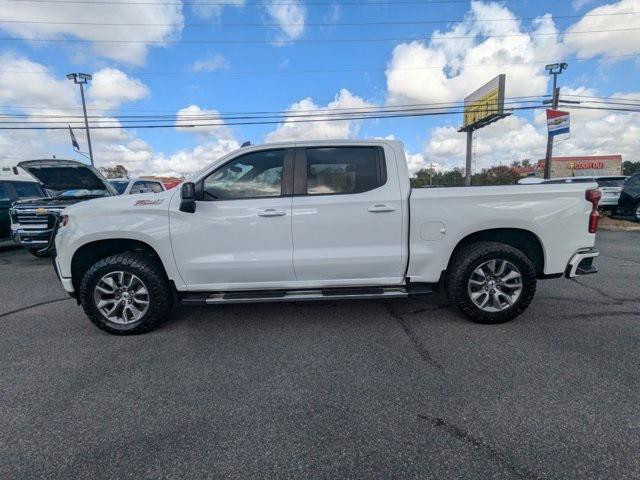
x: 630, y: 197
x: 321, y: 221
x: 69, y: 182
x: 126, y: 186
x: 610, y: 187
x: 12, y: 190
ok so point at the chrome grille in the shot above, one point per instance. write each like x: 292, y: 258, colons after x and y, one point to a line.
x: 29, y: 216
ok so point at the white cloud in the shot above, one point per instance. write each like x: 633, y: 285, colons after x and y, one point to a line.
x: 194, y: 114
x: 449, y: 68
x: 210, y: 64
x: 510, y: 139
x: 111, y: 87
x: 600, y: 131
x: 155, y: 11
x: 322, y: 129
x: 186, y: 162
x: 44, y: 94
x: 39, y: 89
x: 290, y: 16
x: 606, y: 17
x: 211, y: 10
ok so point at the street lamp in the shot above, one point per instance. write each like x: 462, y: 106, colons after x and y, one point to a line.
x: 554, y: 69
x: 81, y: 79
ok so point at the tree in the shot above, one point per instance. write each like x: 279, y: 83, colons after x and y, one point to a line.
x: 629, y: 168
x: 117, y: 171
x: 500, y: 175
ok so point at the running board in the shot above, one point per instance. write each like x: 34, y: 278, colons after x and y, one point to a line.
x: 261, y: 296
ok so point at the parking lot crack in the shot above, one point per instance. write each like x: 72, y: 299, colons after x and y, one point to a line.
x: 422, y: 351
x: 599, y: 290
x: 39, y: 304
x: 480, y: 445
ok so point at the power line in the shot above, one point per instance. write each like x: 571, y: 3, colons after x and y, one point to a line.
x: 308, y: 24
x: 265, y: 122
x: 283, y: 114
x: 308, y: 41
x: 316, y: 118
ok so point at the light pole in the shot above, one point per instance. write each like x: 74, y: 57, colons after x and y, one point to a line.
x: 554, y: 69
x: 81, y: 79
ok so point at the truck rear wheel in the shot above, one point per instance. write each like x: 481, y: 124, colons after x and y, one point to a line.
x: 491, y: 282
x: 126, y: 294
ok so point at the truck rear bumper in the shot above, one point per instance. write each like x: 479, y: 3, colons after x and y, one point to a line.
x: 582, y: 263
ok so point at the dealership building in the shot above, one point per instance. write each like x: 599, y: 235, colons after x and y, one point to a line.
x: 577, y: 166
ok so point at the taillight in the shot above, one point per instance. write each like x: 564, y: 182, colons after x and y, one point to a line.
x: 594, y: 197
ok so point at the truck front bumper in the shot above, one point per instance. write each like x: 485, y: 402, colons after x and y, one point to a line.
x: 582, y: 263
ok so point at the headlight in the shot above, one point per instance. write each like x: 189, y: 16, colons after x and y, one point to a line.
x: 64, y: 220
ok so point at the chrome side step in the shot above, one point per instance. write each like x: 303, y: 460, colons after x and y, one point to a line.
x: 262, y: 296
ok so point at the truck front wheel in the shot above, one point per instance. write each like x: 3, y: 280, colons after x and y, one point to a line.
x: 125, y: 294
x: 491, y: 282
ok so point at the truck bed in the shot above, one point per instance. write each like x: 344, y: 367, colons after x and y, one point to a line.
x: 440, y: 218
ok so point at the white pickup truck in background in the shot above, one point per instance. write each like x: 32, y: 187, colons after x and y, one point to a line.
x: 320, y: 220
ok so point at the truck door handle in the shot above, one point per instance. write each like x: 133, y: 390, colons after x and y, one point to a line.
x: 380, y: 208
x: 272, y: 212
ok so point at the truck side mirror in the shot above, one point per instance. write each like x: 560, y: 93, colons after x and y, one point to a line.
x: 188, y: 195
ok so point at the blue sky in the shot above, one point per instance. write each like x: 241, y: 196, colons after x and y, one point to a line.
x: 206, y: 63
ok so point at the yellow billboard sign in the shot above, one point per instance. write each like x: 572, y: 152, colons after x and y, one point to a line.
x: 485, y: 104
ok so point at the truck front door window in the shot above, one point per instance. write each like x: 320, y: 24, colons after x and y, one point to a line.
x: 253, y: 175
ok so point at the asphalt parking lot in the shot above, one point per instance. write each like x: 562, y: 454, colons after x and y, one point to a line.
x: 374, y: 389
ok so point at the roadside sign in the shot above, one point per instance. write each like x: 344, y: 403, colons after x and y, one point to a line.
x: 557, y: 122
x: 485, y: 105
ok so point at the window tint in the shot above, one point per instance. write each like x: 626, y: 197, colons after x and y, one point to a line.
x: 26, y: 190
x: 338, y: 170
x: 635, y: 180
x: 3, y: 192
x: 119, y: 185
x: 155, y: 187
x: 138, y: 187
x: 253, y: 175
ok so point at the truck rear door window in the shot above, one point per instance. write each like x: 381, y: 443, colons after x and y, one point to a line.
x: 340, y: 170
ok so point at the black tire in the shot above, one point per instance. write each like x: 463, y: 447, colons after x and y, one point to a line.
x: 36, y: 253
x: 471, y: 257
x: 147, y: 269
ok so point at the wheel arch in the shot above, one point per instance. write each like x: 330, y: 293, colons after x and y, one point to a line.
x: 522, y: 239
x: 91, y: 252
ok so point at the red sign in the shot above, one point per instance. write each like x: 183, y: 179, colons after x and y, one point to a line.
x: 586, y: 165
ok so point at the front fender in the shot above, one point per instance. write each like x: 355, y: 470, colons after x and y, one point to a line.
x: 149, y: 226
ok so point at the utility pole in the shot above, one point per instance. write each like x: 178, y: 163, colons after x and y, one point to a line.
x: 81, y: 79
x: 554, y: 69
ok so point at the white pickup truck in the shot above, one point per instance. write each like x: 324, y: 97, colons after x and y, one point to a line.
x: 320, y: 220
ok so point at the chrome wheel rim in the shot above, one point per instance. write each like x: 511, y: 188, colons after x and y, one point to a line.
x: 638, y: 212
x: 495, y: 285
x: 121, y: 297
